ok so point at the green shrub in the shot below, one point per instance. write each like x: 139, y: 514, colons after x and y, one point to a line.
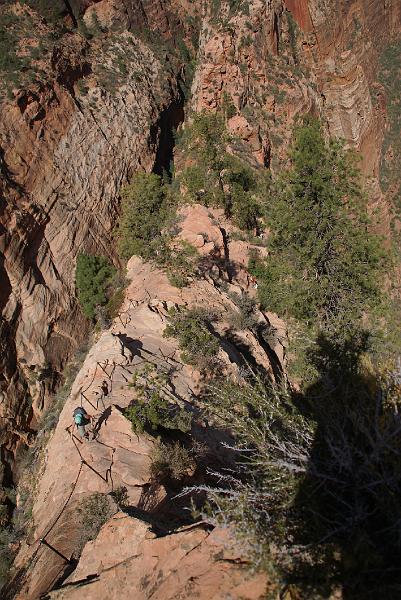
x: 245, y: 318
x: 227, y: 105
x: 144, y: 213
x: 239, y: 7
x: 199, y: 347
x: 115, y: 302
x: 12, y: 66
x: 120, y: 496
x: 204, y: 142
x: 317, y: 490
x: 324, y: 267
x: 157, y: 412
x: 171, y: 461
x: 246, y: 209
x: 7, y: 553
x: 147, y: 218
x: 216, y: 178
x: 151, y: 409
x: 93, y: 512
x: 93, y: 275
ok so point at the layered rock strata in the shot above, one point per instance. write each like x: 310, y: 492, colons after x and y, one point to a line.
x: 67, y: 144
x: 117, y: 457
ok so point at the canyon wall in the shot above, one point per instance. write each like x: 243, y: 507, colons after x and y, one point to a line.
x: 111, y: 88
x: 276, y: 60
x: 68, y: 141
x: 72, y: 136
x: 155, y: 546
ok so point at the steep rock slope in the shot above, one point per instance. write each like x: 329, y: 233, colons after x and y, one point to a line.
x: 193, y: 562
x: 118, y: 457
x: 69, y: 140
x: 266, y: 63
x: 67, y: 143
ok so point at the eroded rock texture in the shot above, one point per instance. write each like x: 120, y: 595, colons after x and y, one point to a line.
x: 192, y: 563
x: 280, y: 59
x: 73, y: 469
x: 71, y: 138
x: 66, y: 147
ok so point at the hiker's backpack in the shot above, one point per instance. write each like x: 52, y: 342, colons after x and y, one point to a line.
x: 80, y: 415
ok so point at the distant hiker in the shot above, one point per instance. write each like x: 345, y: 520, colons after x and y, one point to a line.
x: 253, y: 281
x: 105, y: 387
x: 81, y: 420
x: 122, y: 347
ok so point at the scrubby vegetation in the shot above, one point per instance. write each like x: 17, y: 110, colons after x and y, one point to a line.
x: 120, y: 496
x: 144, y: 214
x: 146, y: 227
x: 94, y: 511
x: 172, y: 461
x: 15, y: 64
x: 29, y: 31
x: 148, y: 221
x: 217, y: 178
x: 325, y: 269
x: 198, y: 345
x: 317, y: 487
x: 9, y: 536
x: 94, y: 275
x: 244, y: 317
x: 154, y: 406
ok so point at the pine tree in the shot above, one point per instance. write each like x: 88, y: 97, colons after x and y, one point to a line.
x: 217, y: 178
x: 324, y: 267
x: 93, y: 274
x: 143, y: 215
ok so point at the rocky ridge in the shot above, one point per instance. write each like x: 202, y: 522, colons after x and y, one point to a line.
x: 68, y: 143
x: 119, y: 457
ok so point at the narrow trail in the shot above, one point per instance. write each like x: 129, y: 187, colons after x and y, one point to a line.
x: 103, y: 393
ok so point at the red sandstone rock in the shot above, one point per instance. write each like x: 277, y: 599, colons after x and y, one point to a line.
x: 193, y: 563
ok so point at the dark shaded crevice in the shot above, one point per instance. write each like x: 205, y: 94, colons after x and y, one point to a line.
x: 68, y: 570
x: 237, y: 350
x: 5, y: 287
x: 271, y: 355
x: 8, y: 476
x: 69, y: 10
x: 163, y: 132
x: 267, y: 156
x: 276, y: 34
x: 239, y: 353
x: 226, y: 254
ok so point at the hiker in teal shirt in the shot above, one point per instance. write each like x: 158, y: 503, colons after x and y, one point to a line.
x: 81, y: 420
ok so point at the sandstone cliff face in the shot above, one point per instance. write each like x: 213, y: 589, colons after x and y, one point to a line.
x: 119, y: 457
x: 280, y: 59
x: 192, y: 563
x: 67, y: 145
